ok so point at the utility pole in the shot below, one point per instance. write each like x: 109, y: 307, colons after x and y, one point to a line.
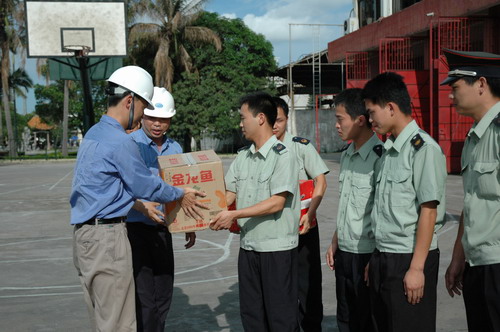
x: 316, y: 67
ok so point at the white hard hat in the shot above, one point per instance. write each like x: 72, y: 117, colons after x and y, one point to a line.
x: 163, y: 103
x: 134, y: 79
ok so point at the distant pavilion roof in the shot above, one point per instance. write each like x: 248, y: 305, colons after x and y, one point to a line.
x: 37, y: 123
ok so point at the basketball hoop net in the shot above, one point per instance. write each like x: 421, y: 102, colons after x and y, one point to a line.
x: 78, y: 50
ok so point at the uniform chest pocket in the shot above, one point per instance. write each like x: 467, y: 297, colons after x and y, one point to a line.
x: 361, y: 190
x: 401, y: 189
x: 263, y: 184
x: 486, y: 173
x: 240, y: 181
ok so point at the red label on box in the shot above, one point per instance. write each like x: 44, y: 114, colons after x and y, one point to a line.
x: 306, y: 193
x: 173, y: 161
x: 234, y: 226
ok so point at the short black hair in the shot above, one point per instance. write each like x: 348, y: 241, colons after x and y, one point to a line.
x: 114, y: 99
x: 352, y: 100
x: 388, y: 87
x: 261, y: 102
x: 280, y: 103
x: 493, y: 83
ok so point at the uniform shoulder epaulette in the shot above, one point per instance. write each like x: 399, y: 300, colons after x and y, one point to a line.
x: 301, y: 140
x: 417, y: 141
x: 378, y: 149
x: 496, y: 120
x: 279, y: 148
x: 243, y: 148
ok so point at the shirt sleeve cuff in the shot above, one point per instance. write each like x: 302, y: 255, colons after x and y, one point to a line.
x: 179, y: 193
x: 430, y: 197
x: 282, y: 189
x: 231, y: 186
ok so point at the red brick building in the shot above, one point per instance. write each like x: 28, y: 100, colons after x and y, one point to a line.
x: 410, y: 42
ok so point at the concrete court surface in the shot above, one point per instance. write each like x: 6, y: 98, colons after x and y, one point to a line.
x: 40, y: 291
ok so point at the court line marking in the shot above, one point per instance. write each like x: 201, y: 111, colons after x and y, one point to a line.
x: 71, y: 258
x: 79, y: 293
x: 35, y: 260
x: 37, y: 287
x: 34, y: 241
x: 202, y: 281
x: 216, y: 245
x: 64, y: 177
x: 226, y: 249
x: 78, y: 286
x: 17, y: 190
x: 41, y: 185
x: 38, y: 295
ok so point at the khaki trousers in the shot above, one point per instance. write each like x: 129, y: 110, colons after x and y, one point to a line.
x: 103, y: 259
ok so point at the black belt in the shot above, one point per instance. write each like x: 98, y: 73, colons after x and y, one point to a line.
x: 98, y: 221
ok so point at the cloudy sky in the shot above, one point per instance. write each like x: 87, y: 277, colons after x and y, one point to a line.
x: 272, y: 18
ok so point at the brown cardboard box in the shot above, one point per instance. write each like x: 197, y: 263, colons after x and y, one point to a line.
x: 201, y: 170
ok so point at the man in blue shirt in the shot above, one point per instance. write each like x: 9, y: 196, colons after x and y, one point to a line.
x: 109, y: 176
x: 152, y: 252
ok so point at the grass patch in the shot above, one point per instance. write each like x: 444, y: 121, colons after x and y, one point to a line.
x: 40, y: 156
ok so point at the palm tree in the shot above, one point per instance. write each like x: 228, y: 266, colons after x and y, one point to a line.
x: 171, y: 30
x: 19, y: 80
x: 10, y: 16
x: 19, y: 83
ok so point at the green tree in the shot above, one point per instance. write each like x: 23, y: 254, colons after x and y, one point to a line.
x: 207, y: 101
x: 19, y: 82
x: 10, y: 25
x: 50, y: 102
x: 168, y: 36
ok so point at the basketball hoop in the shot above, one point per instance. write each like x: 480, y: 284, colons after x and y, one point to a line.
x: 78, y: 50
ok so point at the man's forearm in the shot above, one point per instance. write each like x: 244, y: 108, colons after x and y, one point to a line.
x: 425, y: 232
x: 458, y: 249
x: 318, y: 193
x: 271, y: 205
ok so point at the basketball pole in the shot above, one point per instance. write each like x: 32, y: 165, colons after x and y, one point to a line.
x: 88, y: 107
x: 83, y: 67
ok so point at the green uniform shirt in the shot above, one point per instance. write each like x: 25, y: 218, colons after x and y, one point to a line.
x: 413, y: 171
x: 309, y: 161
x: 358, y: 172
x: 481, y: 179
x: 257, y: 175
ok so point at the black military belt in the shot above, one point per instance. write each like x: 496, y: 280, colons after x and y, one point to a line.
x: 97, y: 221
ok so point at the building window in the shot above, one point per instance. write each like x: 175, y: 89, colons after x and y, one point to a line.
x: 398, y: 5
x: 369, y: 11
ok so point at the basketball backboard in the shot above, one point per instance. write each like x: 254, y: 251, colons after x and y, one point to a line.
x: 57, y: 28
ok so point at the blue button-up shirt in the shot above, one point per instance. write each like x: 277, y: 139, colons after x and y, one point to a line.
x: 110, y: 174
x: 149, y: 153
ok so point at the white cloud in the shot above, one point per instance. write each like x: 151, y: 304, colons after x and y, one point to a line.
x: 274, y: 24
x: 272, y: 18
x: 230, y: 16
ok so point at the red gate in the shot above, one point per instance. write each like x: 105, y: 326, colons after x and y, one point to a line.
x: 406, y: 56
x: 463, y: 34
x: 359, y: 69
